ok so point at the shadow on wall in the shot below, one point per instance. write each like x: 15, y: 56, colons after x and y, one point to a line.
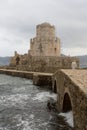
x: 55, y: 86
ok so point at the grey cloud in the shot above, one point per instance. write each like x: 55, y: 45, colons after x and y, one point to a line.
x: 19, y: 18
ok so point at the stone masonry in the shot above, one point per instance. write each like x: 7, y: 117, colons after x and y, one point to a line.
x: 45, y: 43
x: 47, y: 64
x: 71, y: 86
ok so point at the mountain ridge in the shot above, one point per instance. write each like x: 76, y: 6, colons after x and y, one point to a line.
x: 83, y: 61
x: 5, y: 60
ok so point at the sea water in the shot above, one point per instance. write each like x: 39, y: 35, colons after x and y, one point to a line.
x: 23, y: 106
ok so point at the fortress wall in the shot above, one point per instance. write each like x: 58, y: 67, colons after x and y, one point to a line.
x: 47, y: 64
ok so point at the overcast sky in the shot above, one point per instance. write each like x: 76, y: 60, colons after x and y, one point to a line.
x: 18, y: 20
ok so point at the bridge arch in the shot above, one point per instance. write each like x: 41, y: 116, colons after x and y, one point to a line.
x: 67, y: 105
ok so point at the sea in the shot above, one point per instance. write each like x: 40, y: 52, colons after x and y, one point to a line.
x: 23, y: 106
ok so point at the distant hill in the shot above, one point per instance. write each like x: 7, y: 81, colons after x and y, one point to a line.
x: 4, y: 60
x: 83, y: 61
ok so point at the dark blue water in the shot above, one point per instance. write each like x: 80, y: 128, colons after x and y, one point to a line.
x: 23, y: 106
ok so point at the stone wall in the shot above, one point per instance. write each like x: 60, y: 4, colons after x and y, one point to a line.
x: 47, y: 64
x: 41, y: 80
x: 22, y: 59
x: 23, y: 74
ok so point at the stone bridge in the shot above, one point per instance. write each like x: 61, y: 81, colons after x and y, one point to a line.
x: 71, y: 86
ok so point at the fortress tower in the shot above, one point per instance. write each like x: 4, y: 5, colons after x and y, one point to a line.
x: 45, y: 43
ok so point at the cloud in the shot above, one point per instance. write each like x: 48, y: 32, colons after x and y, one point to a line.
x: 18, y: 20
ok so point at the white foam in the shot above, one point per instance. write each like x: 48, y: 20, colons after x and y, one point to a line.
x: 26, y: 124
x: 68, y: 117
x: 44, y: 96
x: 50, y: 117
x: 29, y: 123
x: 21, y: 89
x: 3, y: 83
x: 31, y: 116
x: 43, y: 124
x: 1, y: 128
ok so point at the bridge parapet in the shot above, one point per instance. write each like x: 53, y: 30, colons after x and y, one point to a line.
x: 72, y: 95
x: 42, y: 79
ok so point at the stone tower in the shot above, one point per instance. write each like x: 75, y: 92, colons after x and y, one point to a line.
x: 45, y: 43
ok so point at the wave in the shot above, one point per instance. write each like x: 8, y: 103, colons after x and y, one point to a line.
x: 68, y: 118
x: 45, y: 96
x: 13, y: 100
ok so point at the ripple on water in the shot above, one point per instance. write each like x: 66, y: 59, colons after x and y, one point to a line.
x: 23, y: 106
x: 29, y: 123
x: 13, y: 100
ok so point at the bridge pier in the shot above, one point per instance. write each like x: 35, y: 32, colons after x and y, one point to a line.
x: 42, y: 80
x: 35, y: 79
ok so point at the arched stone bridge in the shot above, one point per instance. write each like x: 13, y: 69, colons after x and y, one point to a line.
x: 71, y: 86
